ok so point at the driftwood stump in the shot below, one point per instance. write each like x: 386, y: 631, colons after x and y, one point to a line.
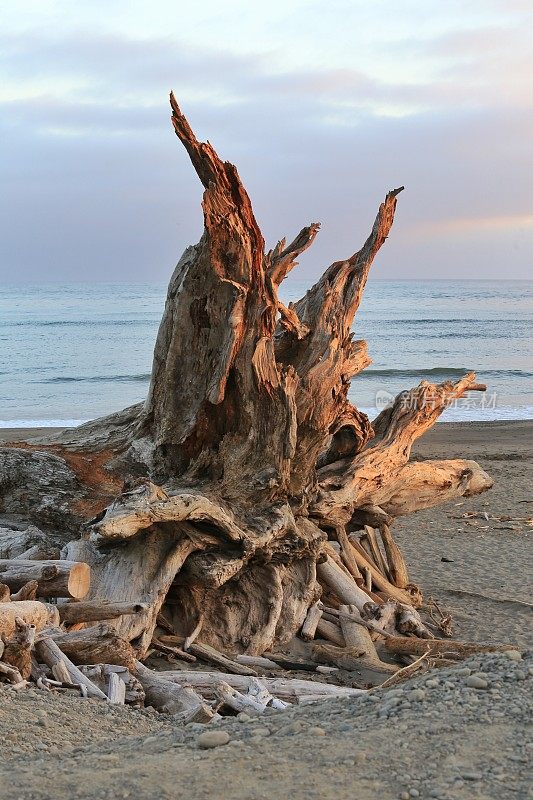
x: 215, y: 498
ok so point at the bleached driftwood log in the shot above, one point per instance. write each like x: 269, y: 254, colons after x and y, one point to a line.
x: 214, y: 499
x: 54, y: 578
x: 287, y: 689
x: 172, y: 698
x: 96, y: 611
x: 100, y: 674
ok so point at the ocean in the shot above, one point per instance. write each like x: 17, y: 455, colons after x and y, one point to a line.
x: 73, y: 352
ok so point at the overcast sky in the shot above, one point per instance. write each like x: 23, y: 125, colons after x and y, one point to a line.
x: 323, y: 106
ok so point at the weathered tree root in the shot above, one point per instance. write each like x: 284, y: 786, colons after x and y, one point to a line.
x: 216, y: 498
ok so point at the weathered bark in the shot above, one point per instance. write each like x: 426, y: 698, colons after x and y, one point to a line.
x: 214, y: 499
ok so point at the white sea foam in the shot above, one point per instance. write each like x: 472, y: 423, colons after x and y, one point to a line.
x: 41, y: 423
x: 450, y: 415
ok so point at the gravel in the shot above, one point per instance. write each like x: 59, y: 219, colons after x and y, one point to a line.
x: 457, y: 734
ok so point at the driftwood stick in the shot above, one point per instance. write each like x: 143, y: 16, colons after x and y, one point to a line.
x: 26, y: 592
x: 194, y: 635
x: 170, y: 697
x: 453, y: 649
x: 96, y: 610
x: 286, y: 689
x: 377, y: 556
x: 172, y: 651
x: 206, y: 653
x: 311, y: 621
x: 100, y: 674
x: 347, y: 555
x: 358, y: 637
x: 381, y: 582
x: 288, y: 663
x: 362, y: 545
x: 257, y: 662
x: 341, y: 584
x: 405, y: 672
x: 116, y: 689
x: 5, y: 593
x: 54, y: 578
x: 396, y: 561
x: 237, y: 701
x: 330, y: 631
x: 60, y: 672
x: 12, y: 674
x: 49, y: 653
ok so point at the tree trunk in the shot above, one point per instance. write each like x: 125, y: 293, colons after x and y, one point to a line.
x: 215, y: 499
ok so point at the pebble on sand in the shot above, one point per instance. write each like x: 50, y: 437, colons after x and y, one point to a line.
x: 476, y: 682
x: 211, y: 739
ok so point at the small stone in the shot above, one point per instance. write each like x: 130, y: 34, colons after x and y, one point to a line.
x: 414, y: 793
x: 405, y: 796
x: 211, y: 739
x: 520, y: 675
x: 360, y: 756
x: 464, y: 672
x: 316, y: 731
x: 476, y: 682
x: 292, y: 727
x: 150, y: 740
x: 243, y: 717
x: 432, y: 683
x: 471, y: 776
x: 513, y: 655
x: 417, y: 694
x: 260, y: 732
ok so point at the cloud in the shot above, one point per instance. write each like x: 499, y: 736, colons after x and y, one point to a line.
x: 96, y: 183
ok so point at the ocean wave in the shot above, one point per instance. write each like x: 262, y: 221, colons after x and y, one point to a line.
x: 141, y: 378
x: 92, y: 323
x: 448, y: 372
x: 442, y: 320
x: 462, y: 414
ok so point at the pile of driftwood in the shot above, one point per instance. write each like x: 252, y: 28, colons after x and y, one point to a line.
x: 65, y: 646
x: 245, y: 509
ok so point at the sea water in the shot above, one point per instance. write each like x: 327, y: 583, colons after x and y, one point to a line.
x: 73, y: 352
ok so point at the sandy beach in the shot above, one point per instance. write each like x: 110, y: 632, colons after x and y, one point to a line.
x: 437, y: 737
